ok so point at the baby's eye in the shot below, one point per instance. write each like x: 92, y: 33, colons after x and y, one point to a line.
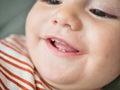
x: 101, y: 13
x: 54, y: 2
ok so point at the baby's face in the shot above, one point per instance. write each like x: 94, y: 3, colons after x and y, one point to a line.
x: 75, y: 44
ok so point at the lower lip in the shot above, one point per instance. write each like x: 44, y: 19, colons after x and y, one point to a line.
x: 60, y: 53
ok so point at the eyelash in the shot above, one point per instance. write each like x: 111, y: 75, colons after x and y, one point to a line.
x: 96, y: 12
x: 52, y: 2
x: 101, y: 13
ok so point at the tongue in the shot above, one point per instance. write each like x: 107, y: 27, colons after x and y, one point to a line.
x: 64, y: 47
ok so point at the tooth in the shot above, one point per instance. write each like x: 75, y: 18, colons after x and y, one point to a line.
x: 61, y: 50
x: 57, y: 41
x: 53, y: 40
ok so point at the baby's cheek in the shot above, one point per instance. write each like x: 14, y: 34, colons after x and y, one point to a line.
x: 104, y: 52
x: 103, y: 68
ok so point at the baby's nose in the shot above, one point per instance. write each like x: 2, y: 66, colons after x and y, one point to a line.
x: 66, y: 16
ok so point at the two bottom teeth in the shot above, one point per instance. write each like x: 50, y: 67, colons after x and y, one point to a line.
x: 63, y: 46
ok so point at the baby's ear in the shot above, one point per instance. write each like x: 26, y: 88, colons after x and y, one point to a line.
x: 115, y: 85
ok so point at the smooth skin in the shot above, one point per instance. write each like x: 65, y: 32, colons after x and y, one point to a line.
x: 91, y: 26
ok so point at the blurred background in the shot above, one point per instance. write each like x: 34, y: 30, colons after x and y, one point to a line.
x: 13, y: 15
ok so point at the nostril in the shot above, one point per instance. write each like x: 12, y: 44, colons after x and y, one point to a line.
x: 55, y: 22
x: 63, y: 23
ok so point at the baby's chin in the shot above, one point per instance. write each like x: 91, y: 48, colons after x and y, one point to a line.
x: 67, y: 83
x: 61, y: 83
x: 61, y: 80
x: 58, y: 74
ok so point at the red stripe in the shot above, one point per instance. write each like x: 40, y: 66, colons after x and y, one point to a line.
x: 19, y: 41
x: 17, y: 66
x: 40, y: 88
x: 0, y: 88
x: 17, y: 77
x: 18, y: 60
x: 15, y: 43
x: 38, y: 82
x: 12, y: 46
x: 19, y: 85
x: 5, y: 87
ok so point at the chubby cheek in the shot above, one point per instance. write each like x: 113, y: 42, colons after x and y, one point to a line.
x: 36, y: 19
x: 105, y: 52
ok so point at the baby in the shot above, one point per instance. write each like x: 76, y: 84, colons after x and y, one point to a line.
x: 73, y: 44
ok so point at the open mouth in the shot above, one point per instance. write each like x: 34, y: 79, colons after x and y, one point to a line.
x: 61, y: 46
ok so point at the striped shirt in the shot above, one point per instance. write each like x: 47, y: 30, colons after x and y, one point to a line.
x: 16, y: 69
